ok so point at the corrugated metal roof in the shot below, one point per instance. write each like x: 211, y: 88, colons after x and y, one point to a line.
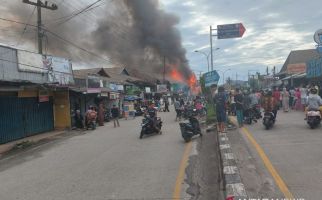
x: 300, y: 56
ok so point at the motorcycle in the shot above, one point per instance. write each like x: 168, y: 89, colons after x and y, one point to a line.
x: 268, y: 120
x: 107, y: 115
x: 313, y: 118
x: 257, y: 112
x: 190, y: 128
x: 91, y: 120
x: 148, y: 127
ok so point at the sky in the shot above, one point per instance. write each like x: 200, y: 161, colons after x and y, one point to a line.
x: 273, y: 29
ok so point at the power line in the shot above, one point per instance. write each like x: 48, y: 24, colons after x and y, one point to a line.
x: 25, y: 28
x: 79, y: 12
x: 63, y: 39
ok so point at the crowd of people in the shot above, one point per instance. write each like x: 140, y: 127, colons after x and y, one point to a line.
x: 183, y: 106
x: 239, y: 103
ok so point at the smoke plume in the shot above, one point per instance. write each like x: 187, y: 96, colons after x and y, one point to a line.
x: 137, y: 34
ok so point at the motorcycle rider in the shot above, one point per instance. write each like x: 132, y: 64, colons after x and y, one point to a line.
x: 314, y: 101
x: 269, y: 103
x: 91, y: 115
x: 152, y: 111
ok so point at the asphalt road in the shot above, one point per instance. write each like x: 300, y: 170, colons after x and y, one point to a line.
x: 292, y: 148
x: 108, y: 163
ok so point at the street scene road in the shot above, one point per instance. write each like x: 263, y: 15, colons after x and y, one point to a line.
x: 216, y: 72
x: 108, y: 163
x: 292, y: 148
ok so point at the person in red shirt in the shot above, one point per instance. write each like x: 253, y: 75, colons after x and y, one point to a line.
x: 277, y: 97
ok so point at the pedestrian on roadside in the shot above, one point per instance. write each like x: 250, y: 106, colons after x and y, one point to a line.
x: 177, y: 109
x: 285, y: 100
x: 297, y: 103
x: 101, y: 114
x: 277, y: 97
x: 292, y: 98
x: 115, y: 115
x: 220, y: 101
x: 239, y: 99
x: 303, y: 91
x: 166, y: 105
x: 79, y: 120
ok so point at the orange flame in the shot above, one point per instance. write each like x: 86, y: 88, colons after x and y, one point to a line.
x: 175, y: 75
x: 191, y: 82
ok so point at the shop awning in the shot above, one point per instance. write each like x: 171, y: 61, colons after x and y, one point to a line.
x: 295, y: 76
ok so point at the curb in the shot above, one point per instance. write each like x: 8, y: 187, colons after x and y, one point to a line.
x: 234, y: 188
x: 4, y: 148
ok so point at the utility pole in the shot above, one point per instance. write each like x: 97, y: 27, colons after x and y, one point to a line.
x: 211, y: 50
x: 40, y: 5
x: 211, y: 55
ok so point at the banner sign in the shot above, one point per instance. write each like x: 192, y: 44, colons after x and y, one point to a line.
x: 30, y: 62
x: 59, y: 70
x: 162, y: 88
x: 314, y: 68
x: 43, y: 96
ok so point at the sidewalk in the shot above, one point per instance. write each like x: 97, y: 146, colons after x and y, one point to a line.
x: 35, y: 138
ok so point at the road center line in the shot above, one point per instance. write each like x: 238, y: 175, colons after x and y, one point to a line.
x: 181, y: 172
x: 278, y: 179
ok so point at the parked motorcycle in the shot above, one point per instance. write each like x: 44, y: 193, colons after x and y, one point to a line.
x: 190, y: 128
x: 148, y: 128
x: 91, y: 118
x: 107, y: 115
x: 268, y: 120
x: 313, y: 118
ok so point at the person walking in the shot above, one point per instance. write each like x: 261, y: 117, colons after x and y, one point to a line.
x: 220, y: 103
x: 285, y: 100
x: 303, y: 91
x: 79, y: 120
x: 239, y: 99
x: 166, y: 105
x: 292, y: 98
x: 177, y: 107
x: 115, y: 115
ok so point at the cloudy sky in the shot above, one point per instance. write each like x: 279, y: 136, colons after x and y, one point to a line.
x: 273, y: 29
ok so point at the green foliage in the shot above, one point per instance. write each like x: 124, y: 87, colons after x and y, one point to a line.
x: 211, y: 113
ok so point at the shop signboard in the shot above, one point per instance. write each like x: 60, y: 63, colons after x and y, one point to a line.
x: 147, y: 89
x: 162, y: 88
x: 30, y: 62
x: 120, y: 87
x: 43, y: 96
x: 113, y: 86
x: 296, y: 68
x: 314, y: 68
x: 59, y: 70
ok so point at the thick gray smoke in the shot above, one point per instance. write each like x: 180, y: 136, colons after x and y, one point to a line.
x: 133, y: 33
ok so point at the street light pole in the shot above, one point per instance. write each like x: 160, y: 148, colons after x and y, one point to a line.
x: 207, y: 56
x: 223, y: 76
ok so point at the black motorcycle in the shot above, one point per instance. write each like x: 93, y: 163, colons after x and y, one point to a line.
x: 190, y: 128
x: 148, y: 127
x: 313, y: 118
x: 107, y: 115
x: 268, y: 120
